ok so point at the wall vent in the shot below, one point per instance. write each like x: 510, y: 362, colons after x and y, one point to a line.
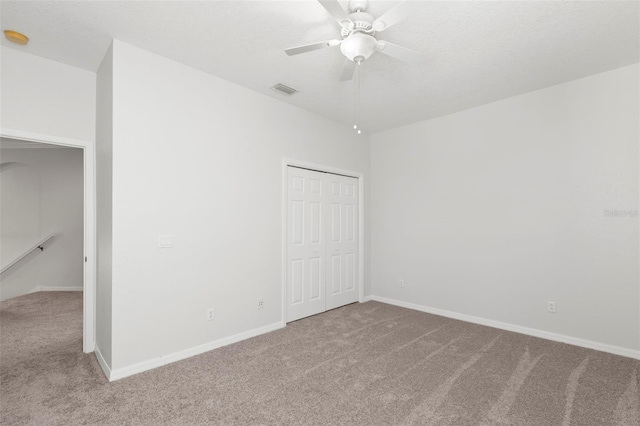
x: 284, y: 89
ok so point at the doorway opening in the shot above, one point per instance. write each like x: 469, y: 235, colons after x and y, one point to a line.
x: 51, y: 237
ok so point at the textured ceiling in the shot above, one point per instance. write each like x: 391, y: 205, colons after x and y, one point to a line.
x: 474, y: 52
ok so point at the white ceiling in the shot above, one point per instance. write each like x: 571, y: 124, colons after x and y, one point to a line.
x: 475, y: 52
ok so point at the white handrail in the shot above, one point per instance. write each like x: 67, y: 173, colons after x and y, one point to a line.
x: 26, y: 252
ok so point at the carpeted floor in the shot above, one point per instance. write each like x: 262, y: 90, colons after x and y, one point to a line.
x: 363, y: 364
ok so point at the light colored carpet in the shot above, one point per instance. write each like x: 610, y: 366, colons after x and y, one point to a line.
x: 363, y: 364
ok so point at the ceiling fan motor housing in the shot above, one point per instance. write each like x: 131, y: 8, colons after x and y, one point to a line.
x: 358, y: 47
x: 360, y: 22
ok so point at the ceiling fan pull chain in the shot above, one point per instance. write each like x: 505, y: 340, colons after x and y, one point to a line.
x: 356, y: 106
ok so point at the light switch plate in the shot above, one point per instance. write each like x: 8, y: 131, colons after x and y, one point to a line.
x: 165, y: 241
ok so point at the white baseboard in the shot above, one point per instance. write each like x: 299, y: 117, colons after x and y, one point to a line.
x: 103, y: 364
x: 603, y: 347
x: 366, y: 299
x: 42, y: 288
x: 120, y: 373
x: 46, y: 288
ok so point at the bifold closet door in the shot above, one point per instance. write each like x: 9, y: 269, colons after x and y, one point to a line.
x: 306, y: 232
x: 342, y: 241
x: 322, y: 242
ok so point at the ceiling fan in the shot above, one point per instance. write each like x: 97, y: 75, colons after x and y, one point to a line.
x: 358, y: 32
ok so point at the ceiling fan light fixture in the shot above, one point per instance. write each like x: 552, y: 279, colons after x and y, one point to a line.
x: 358, y: 47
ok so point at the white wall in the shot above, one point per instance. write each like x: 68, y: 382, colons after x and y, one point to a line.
x: 104, y: 180
x: 493, y: 211
x: 42, y: 194
x: 46, y: 97
x: 200, y: 159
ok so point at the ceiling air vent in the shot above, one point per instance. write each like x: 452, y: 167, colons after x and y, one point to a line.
x: 284, y: 89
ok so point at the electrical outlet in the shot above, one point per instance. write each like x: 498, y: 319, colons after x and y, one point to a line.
x: 551, y: 307
x: 260, y: 303
x: 401, y: 283
x: 210, y: 314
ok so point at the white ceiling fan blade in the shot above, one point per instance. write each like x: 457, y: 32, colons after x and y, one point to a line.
x: 313, y: 46
x: 397, y: 14
x: 335, y: 10
x: 348, y: 70
x: 398, y: 52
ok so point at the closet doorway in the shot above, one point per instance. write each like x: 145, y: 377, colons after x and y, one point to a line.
x: 322, y: 241
x: 89, y: 228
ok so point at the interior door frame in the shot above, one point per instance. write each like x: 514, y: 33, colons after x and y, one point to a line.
x: 89, y: 266
x: 287, y: 162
